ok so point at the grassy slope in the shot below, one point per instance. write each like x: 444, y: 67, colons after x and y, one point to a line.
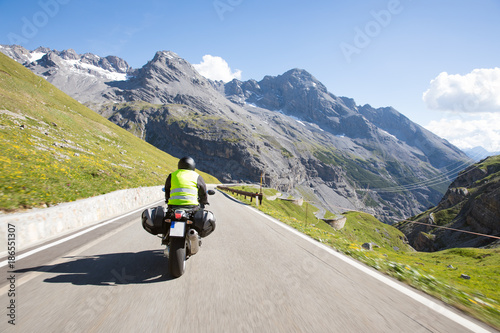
x: 438, y: 273
x: 53, y: 149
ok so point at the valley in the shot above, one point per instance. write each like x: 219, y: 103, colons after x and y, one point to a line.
x: 301, y: 138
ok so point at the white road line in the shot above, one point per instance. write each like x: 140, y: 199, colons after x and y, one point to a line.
x: 384, y: 279
x: 78, y: 234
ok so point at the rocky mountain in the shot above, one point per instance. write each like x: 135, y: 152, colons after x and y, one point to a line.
x: 479, y: 153
x: 471, y: 203
x: 77, y: 75
x: 289, y: 129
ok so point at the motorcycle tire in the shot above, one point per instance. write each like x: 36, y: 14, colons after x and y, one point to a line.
x: 177, y: 256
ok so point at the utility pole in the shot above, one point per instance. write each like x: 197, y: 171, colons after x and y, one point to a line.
x: 307, y: 210
x: 261, y: 176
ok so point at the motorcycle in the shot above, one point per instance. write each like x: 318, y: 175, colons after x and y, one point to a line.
x: 181, y: 230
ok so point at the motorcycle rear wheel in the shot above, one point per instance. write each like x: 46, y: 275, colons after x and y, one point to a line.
x: 177, y: 256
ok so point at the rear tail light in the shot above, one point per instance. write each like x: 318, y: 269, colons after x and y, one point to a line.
x: 179, y: 214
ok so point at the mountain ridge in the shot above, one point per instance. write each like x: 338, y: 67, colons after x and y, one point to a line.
x: 288, y: 129
x: 479, y: 153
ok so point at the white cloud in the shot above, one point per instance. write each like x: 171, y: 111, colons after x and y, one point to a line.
x: 469, y: 131
x: 478, y: 91
x: 216, y: 68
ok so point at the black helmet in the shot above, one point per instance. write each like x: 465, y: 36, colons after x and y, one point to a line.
x: 186, y: 163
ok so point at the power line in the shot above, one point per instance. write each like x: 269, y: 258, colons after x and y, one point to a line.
x: 424, y: 183
x: 427, y: 224
x: 464, y: 231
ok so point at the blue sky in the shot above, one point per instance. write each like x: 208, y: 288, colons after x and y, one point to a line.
x: 378, y: 52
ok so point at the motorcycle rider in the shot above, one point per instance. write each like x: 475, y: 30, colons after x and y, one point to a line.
x: 185, y: 187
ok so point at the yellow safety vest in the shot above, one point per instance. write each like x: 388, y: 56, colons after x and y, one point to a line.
x: 183, y: 188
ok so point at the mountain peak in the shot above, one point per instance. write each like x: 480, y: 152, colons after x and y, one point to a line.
x: 301, y: 78
x: 298, y: 72
x: 161, y: 55
x: 296, y: 93
x: 69, y: 54
x: 170, y: 61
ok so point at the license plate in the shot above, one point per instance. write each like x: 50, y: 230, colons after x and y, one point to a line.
x: 177, y: 228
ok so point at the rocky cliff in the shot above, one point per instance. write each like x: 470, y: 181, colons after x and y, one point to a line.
x: 471, y: 203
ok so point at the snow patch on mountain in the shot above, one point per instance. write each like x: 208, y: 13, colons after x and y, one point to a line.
x: 387, y: 134
x: 80, y: 67
x: 298, y: 120
x: 35, y: 56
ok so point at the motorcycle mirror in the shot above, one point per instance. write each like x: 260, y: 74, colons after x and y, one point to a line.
x: 211, y: 192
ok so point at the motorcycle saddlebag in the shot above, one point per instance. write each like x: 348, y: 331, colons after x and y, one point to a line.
x: 204, y: 222
x: 153, y: 220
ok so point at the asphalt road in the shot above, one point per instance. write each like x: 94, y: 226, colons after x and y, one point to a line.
x: 251, y: 275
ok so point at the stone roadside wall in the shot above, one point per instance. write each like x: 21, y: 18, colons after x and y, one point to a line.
x: 39, y: 225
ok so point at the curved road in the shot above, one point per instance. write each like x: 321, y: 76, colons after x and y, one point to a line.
x: 251, y: 275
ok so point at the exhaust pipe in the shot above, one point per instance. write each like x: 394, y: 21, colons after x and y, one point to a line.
x: 194, y: 240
